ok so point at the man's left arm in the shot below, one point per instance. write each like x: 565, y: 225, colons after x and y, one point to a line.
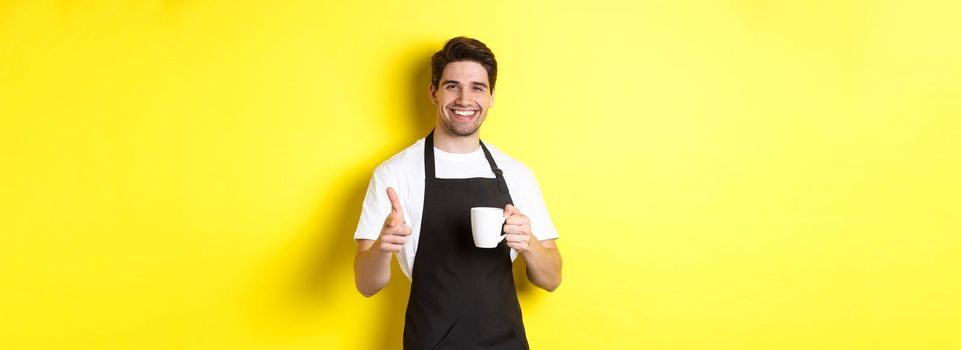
x: 542, y: 257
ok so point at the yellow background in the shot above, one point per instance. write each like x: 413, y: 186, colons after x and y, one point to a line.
x: 724, y: 174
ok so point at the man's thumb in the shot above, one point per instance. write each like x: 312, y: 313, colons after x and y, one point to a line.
x: 394, y: 201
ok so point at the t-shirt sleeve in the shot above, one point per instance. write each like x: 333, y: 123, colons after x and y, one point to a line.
x: 541, y: 224
x: 375, y: 209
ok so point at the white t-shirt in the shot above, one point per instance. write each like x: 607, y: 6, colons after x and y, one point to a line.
x: 405, y: 173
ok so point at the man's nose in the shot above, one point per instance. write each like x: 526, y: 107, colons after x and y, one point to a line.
x: 462, y: 99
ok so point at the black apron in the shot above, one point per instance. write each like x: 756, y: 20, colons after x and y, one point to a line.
x: 461, y: 296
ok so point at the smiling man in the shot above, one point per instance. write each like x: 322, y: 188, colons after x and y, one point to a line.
x: 418, y: 205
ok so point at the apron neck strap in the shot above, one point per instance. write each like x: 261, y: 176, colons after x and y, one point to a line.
x: 430, y: 172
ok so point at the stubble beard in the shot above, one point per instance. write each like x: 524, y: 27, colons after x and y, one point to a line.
x: 463, y: 129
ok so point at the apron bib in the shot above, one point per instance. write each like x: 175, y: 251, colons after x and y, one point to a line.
x: 461, y: 296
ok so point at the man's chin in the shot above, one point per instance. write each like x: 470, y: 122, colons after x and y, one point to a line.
x: 463, y: 130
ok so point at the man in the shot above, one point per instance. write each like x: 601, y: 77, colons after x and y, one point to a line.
x: 461, y: 296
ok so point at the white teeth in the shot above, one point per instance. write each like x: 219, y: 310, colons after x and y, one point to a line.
x: 464, y: 113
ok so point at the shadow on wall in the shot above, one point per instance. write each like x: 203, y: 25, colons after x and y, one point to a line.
x: 422, y: 111
x: 328, y: 260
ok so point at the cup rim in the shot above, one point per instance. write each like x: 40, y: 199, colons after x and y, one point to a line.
x: 485, y: 209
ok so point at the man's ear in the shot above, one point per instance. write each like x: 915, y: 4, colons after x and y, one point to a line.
x: 431, y: 90
x: 491, y: 103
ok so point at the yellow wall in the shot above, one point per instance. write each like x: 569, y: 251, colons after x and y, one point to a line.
x: 739, y: 174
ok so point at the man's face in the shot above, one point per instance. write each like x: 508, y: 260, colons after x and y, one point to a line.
x: 462, y: 97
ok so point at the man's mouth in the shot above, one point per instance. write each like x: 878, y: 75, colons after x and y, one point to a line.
x: 463, y: 114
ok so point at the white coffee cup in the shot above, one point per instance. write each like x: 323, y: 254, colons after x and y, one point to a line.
x: 487, y: 224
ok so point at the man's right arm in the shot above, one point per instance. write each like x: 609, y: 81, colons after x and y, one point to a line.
x: 372, y: 262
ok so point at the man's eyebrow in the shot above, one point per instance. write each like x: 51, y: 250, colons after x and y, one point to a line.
x: 474, y: 83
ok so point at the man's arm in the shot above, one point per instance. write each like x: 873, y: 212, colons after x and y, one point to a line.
x: 372, y: 261
x: 371, y: 267
x: 544, y: 264
x: 542, y: 257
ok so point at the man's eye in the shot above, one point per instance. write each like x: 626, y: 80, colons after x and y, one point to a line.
x: 452, y: 86
x: 478, y: 88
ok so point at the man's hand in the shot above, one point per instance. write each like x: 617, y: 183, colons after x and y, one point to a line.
x: 542, y: 257
x: 518, y: 229
x: 372, y: 262
x: 394, y: 234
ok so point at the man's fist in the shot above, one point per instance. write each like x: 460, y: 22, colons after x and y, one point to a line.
x: 395, y: 231
x: 517, y: 227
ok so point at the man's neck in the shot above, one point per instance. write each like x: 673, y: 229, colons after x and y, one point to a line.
x: 450, y: 143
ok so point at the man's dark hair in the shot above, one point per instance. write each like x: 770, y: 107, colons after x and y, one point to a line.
x: 463, y: 49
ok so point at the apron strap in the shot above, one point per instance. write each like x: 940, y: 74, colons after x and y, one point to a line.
x: 429, y: 155
x: 497, y: 171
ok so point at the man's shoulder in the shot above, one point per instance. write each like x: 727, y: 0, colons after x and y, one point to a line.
x: 404, y: 161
